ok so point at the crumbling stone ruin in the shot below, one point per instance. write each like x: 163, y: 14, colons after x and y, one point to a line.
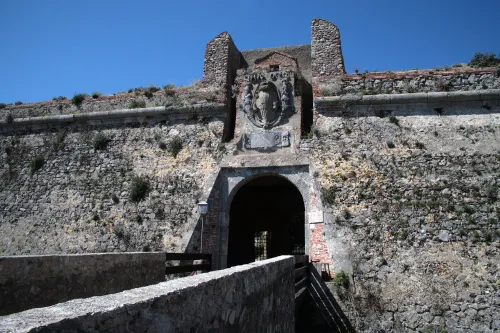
x: 390, y: 178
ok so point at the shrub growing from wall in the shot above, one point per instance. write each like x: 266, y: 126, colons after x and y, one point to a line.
x: 484, y: 60
x: 175, y: 146
x: 139, y: 188
x: 78, y: 99
x: 136, y: 104
x: 100, y: 142
x: 36, y: 164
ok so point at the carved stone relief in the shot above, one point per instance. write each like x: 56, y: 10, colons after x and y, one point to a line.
x: 267, y: 98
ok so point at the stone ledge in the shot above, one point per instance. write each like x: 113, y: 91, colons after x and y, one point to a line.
x: 455, y: 96
x: 197, y: 109
x: 264, y: 160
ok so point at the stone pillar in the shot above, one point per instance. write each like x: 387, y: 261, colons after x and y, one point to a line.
x: 327, y: 61
x: 326, y: 50
x: 221, y: 61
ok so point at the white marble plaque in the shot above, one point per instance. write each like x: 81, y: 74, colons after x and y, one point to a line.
x: 316, y: 217
x: 267, y: 140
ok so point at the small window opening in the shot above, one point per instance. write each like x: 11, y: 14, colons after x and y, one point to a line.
x: 274, y: 68
x: 261, y: 240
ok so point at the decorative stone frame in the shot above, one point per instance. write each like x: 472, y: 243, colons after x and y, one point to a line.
x: 233, y: 179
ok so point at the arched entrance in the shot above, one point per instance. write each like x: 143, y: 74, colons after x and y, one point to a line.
x: 266, y: 220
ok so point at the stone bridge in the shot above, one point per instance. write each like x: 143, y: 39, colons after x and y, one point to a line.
x: 257, y: 297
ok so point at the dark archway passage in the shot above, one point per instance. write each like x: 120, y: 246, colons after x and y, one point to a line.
x: 266, y: 220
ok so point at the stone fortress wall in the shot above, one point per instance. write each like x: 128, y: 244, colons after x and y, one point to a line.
x: 404, y: 165
x: 256, y: 297
x: 410, y: 185
x: 80, y: 199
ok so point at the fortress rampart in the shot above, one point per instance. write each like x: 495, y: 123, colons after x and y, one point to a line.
x: 398, y: 174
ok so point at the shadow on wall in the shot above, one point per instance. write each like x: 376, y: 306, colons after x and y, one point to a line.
x: 320, y: 312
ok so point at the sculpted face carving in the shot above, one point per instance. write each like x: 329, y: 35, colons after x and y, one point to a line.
x: 267, y: 105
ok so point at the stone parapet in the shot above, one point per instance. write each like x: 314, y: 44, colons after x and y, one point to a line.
x: 175, y: 97
x: 258, y: 297
x: 414, y: 81
x: 115, y: 117
x: 27, y: 282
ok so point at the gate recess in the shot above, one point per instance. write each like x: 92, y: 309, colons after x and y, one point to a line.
x: 301, y: 278
x: 205, y: 260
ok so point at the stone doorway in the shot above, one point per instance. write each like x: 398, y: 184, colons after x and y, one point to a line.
x: 266, y: 219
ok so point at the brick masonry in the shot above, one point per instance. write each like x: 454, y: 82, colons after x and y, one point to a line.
x: 319, y: 249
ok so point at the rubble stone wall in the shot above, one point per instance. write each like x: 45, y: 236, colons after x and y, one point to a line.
x: 412, y: 209
x: 221, y: 60
x: 79, y: 198
x: 416, y: 81
x: 175, y: 98
x: 326, y: 49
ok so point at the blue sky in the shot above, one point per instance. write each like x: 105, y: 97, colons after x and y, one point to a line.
x: 62, y: 47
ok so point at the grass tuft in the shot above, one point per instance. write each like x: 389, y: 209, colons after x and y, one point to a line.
x: 59, y: 139
x: 394, y: 120
x: 139, y: 188
x: 36, y: 164
x: 328, y: 195
x: 175, y: 146
x: 341, y: 279
x: 137, y: 104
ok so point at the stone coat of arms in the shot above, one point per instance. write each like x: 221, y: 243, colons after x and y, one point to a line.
x: 266, y: 105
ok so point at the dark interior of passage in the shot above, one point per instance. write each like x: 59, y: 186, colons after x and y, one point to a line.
x: 266, y: 220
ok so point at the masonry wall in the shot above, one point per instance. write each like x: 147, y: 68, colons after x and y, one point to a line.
x: 172, y: 98
x: 257, y: 297
x: 407, y: 163
x: 412, y: 211
x: 462, y: 78
x: 80, y: 199
x: 29, y: 282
